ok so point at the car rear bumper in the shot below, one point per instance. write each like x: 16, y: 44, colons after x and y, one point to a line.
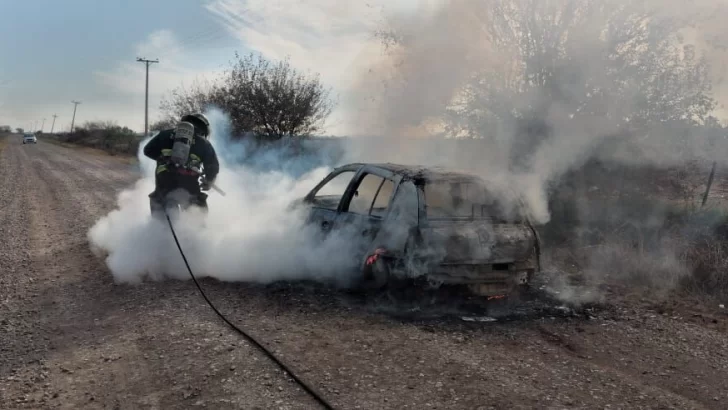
x: 487, y: 279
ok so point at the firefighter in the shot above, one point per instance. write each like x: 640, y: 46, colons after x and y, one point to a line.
x: 172, y: 174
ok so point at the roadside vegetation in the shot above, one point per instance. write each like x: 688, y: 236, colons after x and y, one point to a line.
x: 643, y: 228
x: 640, y: 88
x: 107, y: 136
x: 3, y: 139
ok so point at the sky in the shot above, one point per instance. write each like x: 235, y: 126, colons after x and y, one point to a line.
x: 56, y: 51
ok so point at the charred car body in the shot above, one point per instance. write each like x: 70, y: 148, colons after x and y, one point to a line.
x: 415, y: 222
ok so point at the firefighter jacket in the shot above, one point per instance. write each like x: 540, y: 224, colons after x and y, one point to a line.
x: 168, y: 178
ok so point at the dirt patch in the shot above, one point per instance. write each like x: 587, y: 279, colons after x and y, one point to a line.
x: 93, y: 152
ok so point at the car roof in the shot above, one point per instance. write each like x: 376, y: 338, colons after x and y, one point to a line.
x: 422, y: 172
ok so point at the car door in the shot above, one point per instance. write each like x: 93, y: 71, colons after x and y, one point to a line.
x: 365, y: 207
x: 326, y: 198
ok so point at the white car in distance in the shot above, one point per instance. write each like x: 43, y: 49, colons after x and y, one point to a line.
x: 30, y: 139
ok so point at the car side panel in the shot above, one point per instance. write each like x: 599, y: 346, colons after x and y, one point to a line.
x: 359, y: 230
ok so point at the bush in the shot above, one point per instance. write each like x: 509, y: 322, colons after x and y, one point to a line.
x: 105, y: 135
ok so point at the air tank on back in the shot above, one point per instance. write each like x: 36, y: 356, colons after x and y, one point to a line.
x: 183, y: 136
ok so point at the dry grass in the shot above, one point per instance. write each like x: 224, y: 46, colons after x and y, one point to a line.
x: 643, y: 229
x: 617, y: 263
x: 708, y: 260
x: 687, y: 258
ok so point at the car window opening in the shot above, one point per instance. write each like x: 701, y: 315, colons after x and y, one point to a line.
x: 365, y: 194
x: 446, y: 199
x: 330, y: 194
x: 381, y: 201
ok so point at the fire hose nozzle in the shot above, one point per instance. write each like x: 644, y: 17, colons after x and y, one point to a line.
x: 216, y: 188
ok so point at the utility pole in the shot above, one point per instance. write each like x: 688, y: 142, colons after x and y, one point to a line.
x: 54, y: 122
x: 42, y: 126
x: 710, y: 183
x: 146, y: 93
x: 75, y: 104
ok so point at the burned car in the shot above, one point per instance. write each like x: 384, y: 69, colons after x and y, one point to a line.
x: 416, y: 222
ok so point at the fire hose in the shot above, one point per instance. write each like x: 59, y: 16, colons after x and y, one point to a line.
x: 305, y: 386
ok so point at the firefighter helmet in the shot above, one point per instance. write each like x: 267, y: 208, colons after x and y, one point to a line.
x: 200, y: 122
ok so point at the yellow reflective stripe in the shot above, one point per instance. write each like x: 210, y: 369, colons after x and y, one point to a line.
x: 161, y: 168
x: 167, y: 152
x: 195, y: 158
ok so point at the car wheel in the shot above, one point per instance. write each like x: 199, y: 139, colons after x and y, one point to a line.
x: 376, y: 276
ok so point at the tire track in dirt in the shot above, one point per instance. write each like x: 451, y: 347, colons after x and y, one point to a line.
x: 12, y: 198
x: 113, y: 169
x: 677, y: 357
x: 90, y: 183
x: 92, y: 197
x: 17, y: 313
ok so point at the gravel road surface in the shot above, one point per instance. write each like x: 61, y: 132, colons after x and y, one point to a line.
x: 72, y: 338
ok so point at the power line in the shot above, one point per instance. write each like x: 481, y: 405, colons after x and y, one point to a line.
x: 146, y: 93
x: 75, y: 104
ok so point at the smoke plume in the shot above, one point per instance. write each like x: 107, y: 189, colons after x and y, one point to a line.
x: 251, y: 234
x: 536, y: 90
x: 543, y: 86
x: 541, y: 89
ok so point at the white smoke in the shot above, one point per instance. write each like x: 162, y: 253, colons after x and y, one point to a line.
x: 462, y: 69
x: 251, y: 234
x: 452, y: 52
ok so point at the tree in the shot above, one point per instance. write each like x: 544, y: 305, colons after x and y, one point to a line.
x: 19, y: 130
x: 201, y: 95
x: 274, y: 98
x: 164, y: 124
x: 605, y: 67
x: 260, y: 96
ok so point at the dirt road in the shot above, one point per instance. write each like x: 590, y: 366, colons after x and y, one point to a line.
x: 71, y: 338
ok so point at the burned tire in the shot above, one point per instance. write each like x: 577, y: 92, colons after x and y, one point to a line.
x: 376, y: 276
